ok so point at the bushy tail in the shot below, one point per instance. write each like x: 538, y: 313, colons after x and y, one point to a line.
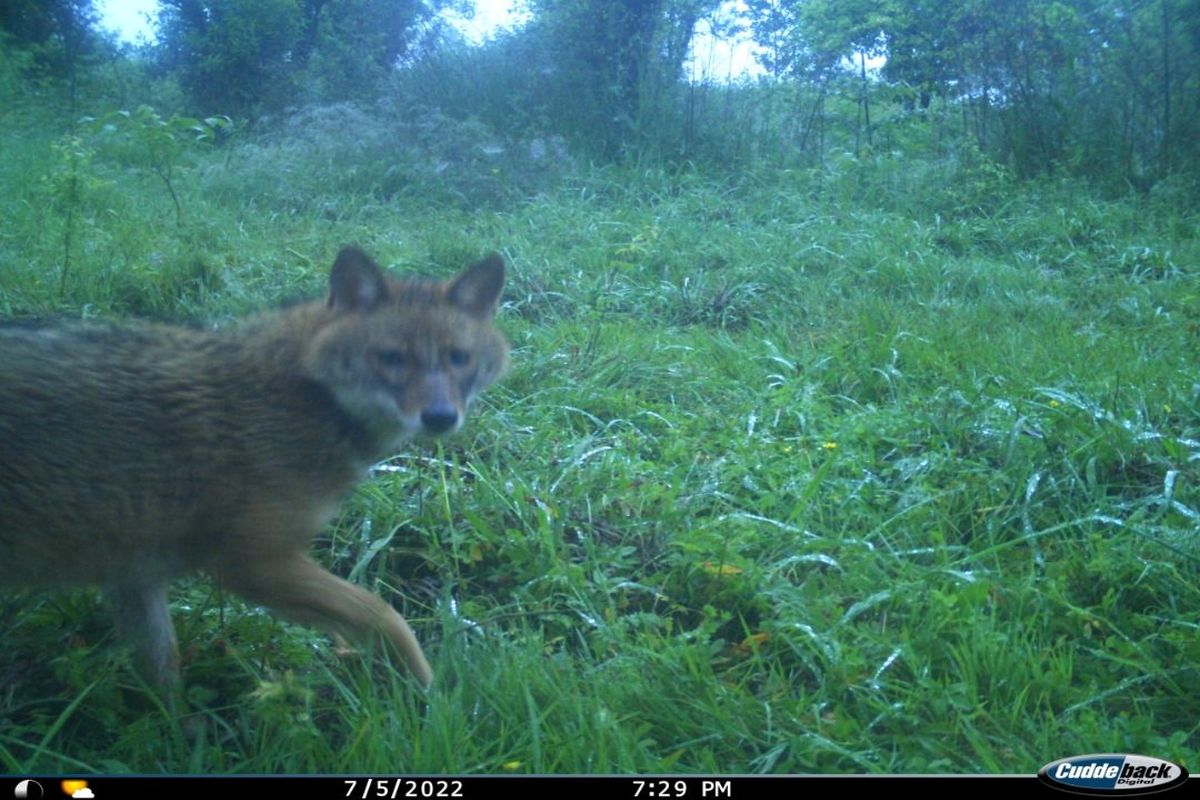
x: 300, y: 590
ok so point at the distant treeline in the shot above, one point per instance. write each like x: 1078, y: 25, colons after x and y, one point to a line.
x: 1095, y: 88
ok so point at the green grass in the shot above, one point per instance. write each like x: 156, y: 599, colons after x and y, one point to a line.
x: 889, y: 467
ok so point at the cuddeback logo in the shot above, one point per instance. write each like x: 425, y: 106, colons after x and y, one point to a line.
x: 1112, y: 773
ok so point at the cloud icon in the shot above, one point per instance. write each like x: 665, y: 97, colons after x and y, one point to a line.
x: 84, y: 794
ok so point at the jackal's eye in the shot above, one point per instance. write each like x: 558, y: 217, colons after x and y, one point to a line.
x: 459, y: 358
x: 391, y: 359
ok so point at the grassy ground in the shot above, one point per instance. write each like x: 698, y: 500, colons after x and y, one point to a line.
x: 884, y: 467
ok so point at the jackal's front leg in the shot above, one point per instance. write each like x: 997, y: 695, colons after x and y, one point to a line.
x: 297, y: 588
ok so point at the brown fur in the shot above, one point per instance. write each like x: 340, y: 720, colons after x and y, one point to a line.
x: 133, y: 455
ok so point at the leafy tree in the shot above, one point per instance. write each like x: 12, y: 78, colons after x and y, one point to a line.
x: 1105, y: 87
x: 1141, y: 109
x: 776, y: 27
x: 349, y: 47
x: 40, y: 22
x: 810, y: 44
x: 611, y: 64
x: 239, y: 55
x: 58, y: 35
x: 230, y: 54
x: 854, y: 27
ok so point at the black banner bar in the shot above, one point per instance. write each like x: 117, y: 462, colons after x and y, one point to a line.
x: 441, y: 787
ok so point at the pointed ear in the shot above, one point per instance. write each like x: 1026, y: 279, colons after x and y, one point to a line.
x: 356, y: 283
x: 477, y: 289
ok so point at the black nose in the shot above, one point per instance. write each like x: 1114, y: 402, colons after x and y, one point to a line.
x: 439, y: 418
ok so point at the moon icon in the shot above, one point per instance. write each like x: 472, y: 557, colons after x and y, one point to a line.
x: 28, y: 790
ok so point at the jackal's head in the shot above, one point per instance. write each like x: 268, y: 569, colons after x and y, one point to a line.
x: 407, y: 357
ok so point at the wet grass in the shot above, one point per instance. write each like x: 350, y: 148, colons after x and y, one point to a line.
x: 828, y: 472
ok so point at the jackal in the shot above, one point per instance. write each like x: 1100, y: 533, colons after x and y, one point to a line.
x: 130, y: 455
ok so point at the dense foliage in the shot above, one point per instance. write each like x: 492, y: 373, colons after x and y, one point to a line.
x: 1088, y: 87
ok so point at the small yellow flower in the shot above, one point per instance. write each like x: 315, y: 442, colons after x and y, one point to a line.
x: 1055, y: 404
x: 829, y: 445
x: 752, y: 642
x: 510, y: 766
